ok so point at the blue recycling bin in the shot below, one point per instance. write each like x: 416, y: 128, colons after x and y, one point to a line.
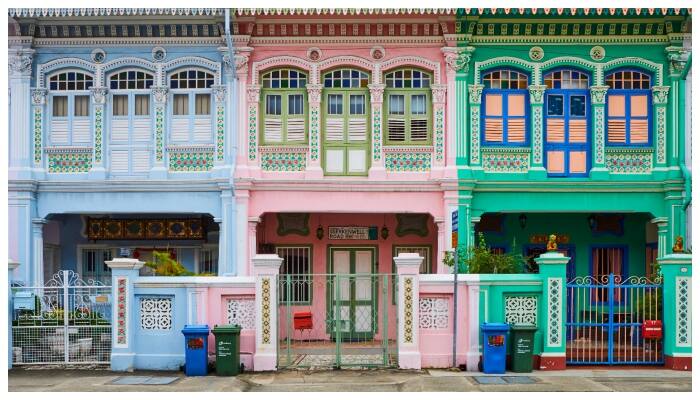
x: 494, y: 355
x: 196, y: 349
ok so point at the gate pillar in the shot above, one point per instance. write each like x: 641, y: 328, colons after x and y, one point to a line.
x: 676, y: 269
x: 553, y: 274
x: 266, y: 268
x: 124, y: 272
x: 407, y: 269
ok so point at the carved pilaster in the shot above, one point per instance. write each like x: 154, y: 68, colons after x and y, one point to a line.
x: 677, y: 59
x: 537, y: 124
x: 39, y: 97
x: 598, y: 94
x: 253, y: 100
x: 160, y: 94
x: 99, y: 95
x: 19, y: 62
x: 598, y: 107
x: 458, y: 58
x: 475, y: 92
x: 660, y: 94
x: 537, y: 93
x: 660, y: 97
x: 314, y: 91
x: 160, y: 98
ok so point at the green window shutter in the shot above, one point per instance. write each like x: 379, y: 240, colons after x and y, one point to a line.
x: 408, y: 117
x: 272, y: 126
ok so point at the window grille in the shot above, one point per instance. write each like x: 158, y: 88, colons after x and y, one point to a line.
x: 296, y: 273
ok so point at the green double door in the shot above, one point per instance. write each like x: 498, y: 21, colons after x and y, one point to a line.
x: 352, y: 294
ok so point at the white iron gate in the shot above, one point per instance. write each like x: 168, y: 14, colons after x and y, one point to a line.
x: 66, y: 321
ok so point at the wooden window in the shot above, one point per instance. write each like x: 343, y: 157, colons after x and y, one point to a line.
x: 295, y: 274
x: 120, y: 105
x: 628, y: 108
x: 284, y: 117
x: 408, y: 107
x: 131, y: 80
x: 192, y: 119
x: 505, y: 108
x: 70, y: 123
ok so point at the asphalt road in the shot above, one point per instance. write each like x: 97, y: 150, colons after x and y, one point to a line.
x: 576, y: 380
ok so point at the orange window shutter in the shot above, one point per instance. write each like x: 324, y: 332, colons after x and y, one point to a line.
x: 639, y: 131
x: 516, y: 130
x: 494, y: 105
x: 493, y: 129
x: 638, y: 106
x: 616, y: 106
x: 578, y: 131
x: 555, y: 162
x: 555, y: 130
x: 616, y: 131
x: 516, y: 105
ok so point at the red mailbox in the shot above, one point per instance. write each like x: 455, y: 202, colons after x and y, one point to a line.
x: 652, y: 329
x: 302, y: 320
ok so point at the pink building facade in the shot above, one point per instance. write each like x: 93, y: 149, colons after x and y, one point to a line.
x: 348, y: 126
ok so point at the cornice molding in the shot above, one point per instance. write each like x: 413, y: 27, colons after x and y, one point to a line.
x: 112, y: 12
x: 133, y: 41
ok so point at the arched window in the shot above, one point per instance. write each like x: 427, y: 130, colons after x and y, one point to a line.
x: 567, y: 109
x: 70, y: 108
x: 407, y: 107
x: 346, y: 119
x: 504, y: 108
x: 628, y: 108
x: 130, y: 123
x: 284, y: 114
x: 191, y: 107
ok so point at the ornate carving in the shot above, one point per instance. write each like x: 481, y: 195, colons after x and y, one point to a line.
x: 597, y: 53
x: 439, y: 92
x: 536, y: 53
x: 537, y: 93
x: 241, y: 312
x: 219, y: 92
x: 20, y: 62
x: 677, y: 59
x: 376, y: 91
x: 521, y: 310
x: 433, y: 313
x: 39, y: 96
x: 475, y: 93
x: 598, y: 94
x: 314, y: 90
x: 99, y: 94
x: 160, y: 94
x: 313, y: 54
x: 458, y: 59
x: 254, y: 94
x: 156, y: 313
x: 660, y: 94
x: 241, y: 63
x: 377, y: 52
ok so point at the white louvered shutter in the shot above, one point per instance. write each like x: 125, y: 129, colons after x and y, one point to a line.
x: 357, y: 129
x: 334, y: 129
x: 296, y: 129
x: 140, y: 161
x: 142, y: 130
x: 120, y: 130
x: 119, y: 161
x: 59, y: 132
x: 202, y: 129
x: 273, y: 130
x: 179, y: 129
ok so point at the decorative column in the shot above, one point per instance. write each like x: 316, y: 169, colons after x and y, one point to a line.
x: 677, y: 270
x: 11, y: 268
x: 598, y: 96
x: 407, y: 269
x: 537, y: 169
x: 248, y: 147
x: 677, y: 59
x: 20, y: 154
x: 475, y: 125
x: 662, y: 231
x: 313, y: 169
x: 124, y: 272
x: 440, y: 147
x: 160, y: 99
x: 39, y: 102
x: 99, y: 96
x: 37, y: 275
x: 247, y: 102
x: 457, y: 60
x: 220, y: 96
x: 553, y: 274
x: 252, y: 240
x: 442, y: 244
x: 227, y: 233
x: 242, y: 198
x: 266, y: 268
x: 660, y: 97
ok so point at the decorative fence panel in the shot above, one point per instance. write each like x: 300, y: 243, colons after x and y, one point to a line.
x: 66, y: 321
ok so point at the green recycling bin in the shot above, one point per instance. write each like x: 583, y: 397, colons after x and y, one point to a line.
x: 522, y: 346
x: 228, y: 349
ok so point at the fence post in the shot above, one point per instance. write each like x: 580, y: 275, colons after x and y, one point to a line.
x: 124, y: 272
x: 266, y: 268
x: 407, y: 269
x: 676, y: 269
x: 553, y: 274
x: 11, y: 267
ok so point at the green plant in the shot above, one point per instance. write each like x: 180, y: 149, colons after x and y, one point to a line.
x: 482, y: 260
x: 461, y: 253
x: 164, y: 265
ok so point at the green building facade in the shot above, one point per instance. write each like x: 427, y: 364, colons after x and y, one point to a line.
x: 573, y: 122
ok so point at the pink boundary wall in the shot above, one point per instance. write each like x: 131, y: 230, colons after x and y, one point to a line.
x: 216, y: 315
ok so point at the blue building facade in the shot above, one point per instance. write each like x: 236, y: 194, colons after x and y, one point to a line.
x: 121, y: 135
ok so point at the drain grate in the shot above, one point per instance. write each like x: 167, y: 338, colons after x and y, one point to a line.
x: 143, y: 380
x: 504, y: 380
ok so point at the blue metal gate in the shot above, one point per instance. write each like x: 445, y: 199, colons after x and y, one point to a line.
x: 605, y: 318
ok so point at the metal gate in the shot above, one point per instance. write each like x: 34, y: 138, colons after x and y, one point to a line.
x: 66, y: 321
x: 605, y: 318
x: 336, y: 320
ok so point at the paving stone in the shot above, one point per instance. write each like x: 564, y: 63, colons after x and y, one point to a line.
x: 489, y: 380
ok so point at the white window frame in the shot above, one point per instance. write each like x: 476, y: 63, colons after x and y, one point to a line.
x: 70, y: 113
x: 191, y: 115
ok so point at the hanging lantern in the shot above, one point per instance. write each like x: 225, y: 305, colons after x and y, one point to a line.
x: 319, y: 232
x: 385, y: 232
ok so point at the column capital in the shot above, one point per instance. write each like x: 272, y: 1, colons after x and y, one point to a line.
x: 458, y: 58
x: 267, y: 264
x: 537, y: 93
x: 314, y: 90
x: 219, y: 93
x: 19, y: 62
x: 408, y: 263
x: 125, y: 264
x: 160, y: 94
x: 475, y: 93
x: 660, y: 94
x: 677, y: 59
x: 253, y: 93
x: 439, y: 91
x: 376, y: 91
x: 39, y: 96
x: 98, y: 94
x: 598, y: 94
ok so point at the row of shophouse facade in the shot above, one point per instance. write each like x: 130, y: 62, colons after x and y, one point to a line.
x: 339, y: 139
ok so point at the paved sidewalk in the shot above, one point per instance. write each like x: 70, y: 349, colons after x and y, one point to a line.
x: 596, y: 380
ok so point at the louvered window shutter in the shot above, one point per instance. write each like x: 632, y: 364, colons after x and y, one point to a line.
x: 616, y: 119
x: 493, y: 118
x: 639, y: 119
x: 396, y: 122
x: 419, y: 118
x: 516, y: 118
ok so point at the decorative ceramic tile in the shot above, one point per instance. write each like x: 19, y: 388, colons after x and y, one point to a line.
x: 439, y: 133
x: 220, y: 132
x: 629, y: 162
x: 554, y: 323
x: 506, y: 161
x: 69, y: 162
x: 683, y: 311
x: 283, y: 162
x: 407, y: 161
x: 159, y: 132
x: 37, y: 135
x: 99, y: 111
x: 191, y: 161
